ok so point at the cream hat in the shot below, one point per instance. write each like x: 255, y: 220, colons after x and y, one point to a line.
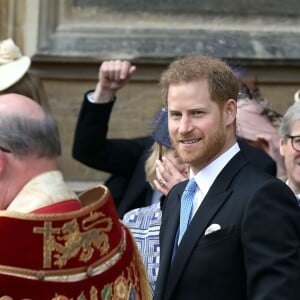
x: 297, y: 96
x: 13, y: 65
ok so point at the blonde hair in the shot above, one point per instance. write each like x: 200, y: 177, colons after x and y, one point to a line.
x: 156, y: 151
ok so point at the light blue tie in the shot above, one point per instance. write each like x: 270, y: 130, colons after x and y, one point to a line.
x: 186, y: 206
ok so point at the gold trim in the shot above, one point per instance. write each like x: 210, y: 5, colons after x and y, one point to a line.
x: 100, y: 196
x: 68, y: 275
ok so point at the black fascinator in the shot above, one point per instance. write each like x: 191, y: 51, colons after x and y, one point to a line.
x: 160, y: 131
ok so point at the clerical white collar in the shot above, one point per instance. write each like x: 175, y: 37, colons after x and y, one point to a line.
x: 43, y: 190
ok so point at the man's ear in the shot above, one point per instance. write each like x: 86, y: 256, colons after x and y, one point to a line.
x: 230, y: 110
x: 282, y: 144
x: 3, y: 162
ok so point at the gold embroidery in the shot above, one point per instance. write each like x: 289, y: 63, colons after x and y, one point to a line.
x: 118, y: 290
x: 121, y: 288
x: 60, y: 297
x: 68, y: 241
x: 93, y: 293
x: 47, y: 231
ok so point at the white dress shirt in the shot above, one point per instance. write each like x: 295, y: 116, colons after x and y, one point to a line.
x: 207, y: 176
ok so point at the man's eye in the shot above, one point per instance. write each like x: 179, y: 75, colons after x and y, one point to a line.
x: 175, y: 115
x: 198, y: 113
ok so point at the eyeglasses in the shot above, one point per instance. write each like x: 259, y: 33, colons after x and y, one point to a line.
x: 4, y: 150
x: 295, y: 141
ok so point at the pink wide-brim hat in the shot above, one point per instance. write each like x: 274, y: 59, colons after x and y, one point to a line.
x: 253, y: 125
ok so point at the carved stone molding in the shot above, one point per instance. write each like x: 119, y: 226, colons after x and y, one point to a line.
x: 158, y: 31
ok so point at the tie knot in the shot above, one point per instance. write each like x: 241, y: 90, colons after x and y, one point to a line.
x: 191, y: 186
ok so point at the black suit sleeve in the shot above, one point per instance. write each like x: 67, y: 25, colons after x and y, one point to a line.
x: 92, y: 147
x: 270, y: 237
x: 258, y: 158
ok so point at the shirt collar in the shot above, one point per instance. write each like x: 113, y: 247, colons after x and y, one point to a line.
x: 207, y: 175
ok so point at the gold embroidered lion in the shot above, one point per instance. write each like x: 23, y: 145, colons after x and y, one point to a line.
x: 83, y: 242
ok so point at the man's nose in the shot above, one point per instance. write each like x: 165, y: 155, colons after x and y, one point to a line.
x: 185, y: 125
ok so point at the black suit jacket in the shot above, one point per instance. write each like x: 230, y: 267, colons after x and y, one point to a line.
x: 258, y: 158
x: 125, y: 158
x: 254, y: 256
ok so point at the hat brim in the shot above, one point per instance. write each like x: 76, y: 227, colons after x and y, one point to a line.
x: 12, y: 72
x: 161, y: 133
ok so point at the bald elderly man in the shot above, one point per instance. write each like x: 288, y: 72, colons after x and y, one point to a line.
x: 29, y: 151
x: 56, y: 245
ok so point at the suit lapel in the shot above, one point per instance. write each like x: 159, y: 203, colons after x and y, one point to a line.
x: 170, y: 223
x: 213, y: 201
